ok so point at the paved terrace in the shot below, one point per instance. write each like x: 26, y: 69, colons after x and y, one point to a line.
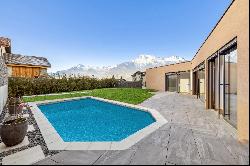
x: 192, y: 136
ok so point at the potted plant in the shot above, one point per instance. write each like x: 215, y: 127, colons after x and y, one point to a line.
x: 14, y: 129
x: 14, y: 105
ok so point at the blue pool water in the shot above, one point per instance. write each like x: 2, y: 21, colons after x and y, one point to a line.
x: 88, y: 120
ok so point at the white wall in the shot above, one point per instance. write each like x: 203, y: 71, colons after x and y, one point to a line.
x: 9, y: 71
x: 3, y: 96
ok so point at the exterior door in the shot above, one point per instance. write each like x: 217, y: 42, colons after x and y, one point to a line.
x: 172, y: 83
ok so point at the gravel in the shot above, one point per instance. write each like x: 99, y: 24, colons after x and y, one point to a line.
x: 35, y: 137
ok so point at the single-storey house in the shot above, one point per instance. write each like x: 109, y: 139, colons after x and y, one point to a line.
x: 26, y: 66
x: 21, y: 65
x: 218, y: 74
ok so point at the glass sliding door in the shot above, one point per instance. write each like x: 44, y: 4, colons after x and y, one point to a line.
x: 221, y: 85
x: 222, y: 80
x: 213, y: 81
x: 216, y: 84
x: 231, y: 86
x: 172, y: 81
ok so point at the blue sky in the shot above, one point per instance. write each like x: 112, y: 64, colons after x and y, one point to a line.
x: 107, y: 32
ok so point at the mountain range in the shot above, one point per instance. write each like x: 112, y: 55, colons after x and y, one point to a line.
x: 124, y: 70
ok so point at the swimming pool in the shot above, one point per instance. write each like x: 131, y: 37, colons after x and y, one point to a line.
x: 92, y: 120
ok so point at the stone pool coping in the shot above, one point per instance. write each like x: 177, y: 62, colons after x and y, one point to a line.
x: 55, y: 142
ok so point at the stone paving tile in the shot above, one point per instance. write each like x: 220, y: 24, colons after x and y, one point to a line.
x: 212, y: 162
x: 158, y: 138
x: 212, y: 148
x: 183, y: 153
x: 77, y: 157
x: 197, y: 121
x: 166, y: 126
x: 28, y: 156
x: 47, y: 161
x: 182, y: 148
x: 181, y: 134
x: 234, y: 146
x: 150, y: 154
x: 243, y: 160
x: 207, y: 129
x: 224, y: 130
x: 180, y: 119
x: 123, y: 157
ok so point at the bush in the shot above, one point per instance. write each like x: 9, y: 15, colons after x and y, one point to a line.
x: 19, y: 86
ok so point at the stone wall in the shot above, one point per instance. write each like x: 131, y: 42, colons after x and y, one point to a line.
x: 3, y: 72
x: 3, y: 81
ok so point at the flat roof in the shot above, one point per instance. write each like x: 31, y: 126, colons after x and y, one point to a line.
x: 169, y: 64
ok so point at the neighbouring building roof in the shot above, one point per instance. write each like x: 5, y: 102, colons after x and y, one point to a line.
x: 17, y: 59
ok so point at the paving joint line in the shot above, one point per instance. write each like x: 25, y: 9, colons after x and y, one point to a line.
x: 131, y: 158
x: 170, y: 163
x: 170, y: 127
x: 98, y: 158
x: 194, y: 138
x: 234, y: 156
x: 55, y: 161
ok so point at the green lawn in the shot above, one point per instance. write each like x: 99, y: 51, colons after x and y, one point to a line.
x: 127, y: 95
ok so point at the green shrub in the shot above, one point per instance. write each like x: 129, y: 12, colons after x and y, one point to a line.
x: 19, y: 86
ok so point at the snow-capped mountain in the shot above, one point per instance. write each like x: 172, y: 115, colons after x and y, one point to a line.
x: 144, y: 60
x: 124, y: 70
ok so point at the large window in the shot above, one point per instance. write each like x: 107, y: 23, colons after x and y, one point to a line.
x: 222, y: 75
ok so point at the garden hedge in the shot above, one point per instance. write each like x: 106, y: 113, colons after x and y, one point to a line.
x: 19, y: 86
